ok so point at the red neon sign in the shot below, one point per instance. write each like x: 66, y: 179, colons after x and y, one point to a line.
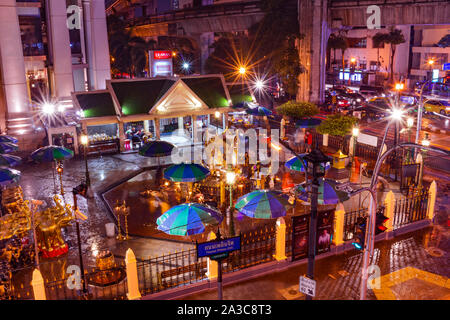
x: 162, y: 55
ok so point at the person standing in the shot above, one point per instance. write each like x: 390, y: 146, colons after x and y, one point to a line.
x: 308, y: 141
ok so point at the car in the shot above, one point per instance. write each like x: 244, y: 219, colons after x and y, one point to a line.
x: 437, y: 106
x: 370, y: 91
x: 380, y: 102
x: 354, y: 98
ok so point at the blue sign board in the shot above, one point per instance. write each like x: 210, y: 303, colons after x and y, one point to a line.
x: 214, y: 247
x: 446, y: 66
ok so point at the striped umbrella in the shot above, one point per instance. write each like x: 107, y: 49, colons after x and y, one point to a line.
x: 6, y: 138
x: 186, y: 172
x: 156, y: 148
x: 263, y: 204
x: 327, y: 192
x: 8, y: 176
x: 7, y: 147
x: 9, y: 160
x: 51, y: 153
x: 259, y: 111
x: 188, y: 219
x: 294, y: 163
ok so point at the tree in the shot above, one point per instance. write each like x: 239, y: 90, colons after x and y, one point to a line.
x: 394, y: 37
x: 337, y: 125
x: 444, y: 42
x: 297, y: 110
x: 338, y: 42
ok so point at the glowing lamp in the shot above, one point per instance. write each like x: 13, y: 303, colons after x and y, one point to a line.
x: 242, y: 70
x: 231, y: 177
x: 410, y: 122
x: 397, y: 114
x: 355, y: 132
x: 217, y: 114
x: 84, y: 139
x: 48, y: 108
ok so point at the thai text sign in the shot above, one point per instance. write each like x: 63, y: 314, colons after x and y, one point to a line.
x: 214, y: 247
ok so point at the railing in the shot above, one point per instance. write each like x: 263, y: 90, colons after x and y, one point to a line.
x: 350, y: 219
x: 410, y: 209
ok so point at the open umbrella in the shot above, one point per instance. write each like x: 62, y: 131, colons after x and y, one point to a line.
x: 157, y: 148
x: 9, y: 160
x: 7, y: 147
x: 241, y: 105
x: 51, y: 153
x: 296, y: 164
x: 308, y: 123
x: 8, y: 176
x: 259, y: 111
x: 6, y: 138
x: 186, y: 172
x: 188, y: 219
x: 327, y: 192
x: 263, y: 204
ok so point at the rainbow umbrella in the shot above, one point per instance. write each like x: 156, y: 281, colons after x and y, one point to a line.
x: 259, y: 111
x: 327, y: 192
x: 9, y: 160
x: 296, y: 164
x: 7, y: 147
x: 186, y: 172
x: 6, y: 138
x: 263, y: 204
x: 51, y: 153
x: 156, y: 148
x: 188, y: 219
x: 8, y: 176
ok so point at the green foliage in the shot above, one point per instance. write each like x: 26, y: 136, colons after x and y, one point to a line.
x: 337, y: 125
x: 394, y: 37
x: 297, y: 110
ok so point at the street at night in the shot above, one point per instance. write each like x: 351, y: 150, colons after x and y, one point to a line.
x: 232, y: 156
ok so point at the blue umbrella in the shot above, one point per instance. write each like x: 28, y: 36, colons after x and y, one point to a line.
x: 186, y: 172
x: 188, y: 219
x: 294, y: 163
x: 241, y: 105
x: 7, y: 147
x: 6, y: 138
x: 156, y: 148
x: 9, y: 160
x: 51, y: 153
x: 259, y: 111
x: 263, y: 204
x: 308, y: 123
x: 8, y: 176
x: 327, y: 192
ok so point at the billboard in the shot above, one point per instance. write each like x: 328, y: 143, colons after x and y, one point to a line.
x: 324, y: 230
x: 300, y: 226
x: 160, y: 63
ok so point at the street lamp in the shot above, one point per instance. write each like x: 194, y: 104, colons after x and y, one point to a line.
x: 396, y: 115
x: 242, y: 70
x: 230, y: 179
x: 409, y: 124
x: 48, y: 108
x: 85, y: 141
x: 315, y: 161
x: 355, y: 133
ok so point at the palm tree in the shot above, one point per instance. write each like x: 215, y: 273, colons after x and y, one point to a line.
x: 394, y: 37
x: 338, y: 42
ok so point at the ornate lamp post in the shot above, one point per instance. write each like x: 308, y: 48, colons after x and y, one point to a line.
x: 231, y: 178
x: 409, y: 124
x: 355, y: 133
x: 425, y: 143
x: 85, y: 141
x: 316, y: 161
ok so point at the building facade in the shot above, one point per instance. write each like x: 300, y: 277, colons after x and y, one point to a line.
x: 48, y: 49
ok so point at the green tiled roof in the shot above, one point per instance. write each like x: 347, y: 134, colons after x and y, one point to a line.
x: 96, y: 104
x: 138, y: 97
x: 209, y: 89
x: 239, y: 93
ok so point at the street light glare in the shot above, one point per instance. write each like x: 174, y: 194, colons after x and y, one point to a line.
x: 410, y: 122
x: 353, y: 60
x: 48, y: 108
x: 355, y: 132
x: 217, y: 114
x: 242, y: 70
x: 399, y: 86
x: 231, y: 177
x: 185, y: 65
x: 259, y: 84
x: 397, y: 114
x: 84, y: 139
x: 431, y: 61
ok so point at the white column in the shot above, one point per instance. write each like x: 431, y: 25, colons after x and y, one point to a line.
x: 97, y: 43
x: 60, y: 46
x: 12, y: 68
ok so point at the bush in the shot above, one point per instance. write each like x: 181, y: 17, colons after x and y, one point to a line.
x: 297, y: 110
x: 337, y: 125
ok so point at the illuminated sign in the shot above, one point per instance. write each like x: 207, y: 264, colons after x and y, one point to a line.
x: 446, y: 67
x: 157, y: 55
x: 435, y: 75
x: 160, y: 63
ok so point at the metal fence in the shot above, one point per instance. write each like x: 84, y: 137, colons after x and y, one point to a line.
x: 410, y: 209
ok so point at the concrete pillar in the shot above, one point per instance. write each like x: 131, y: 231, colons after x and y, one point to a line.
x: 338, y: 233
x: 432, y: 192
x: 60, y: 49
x: 325, y: 140
x: 194, y: 128
x: 282, y: 128
x: 205, y: 41
x: 132, y: 277
x: 146, y: 125
x: 37, y: 283
x: 14, y: 103
x: 180, y: 124
x: 389, y: 203
x: 212, y: 265
x: 312, y: 49
x: 96, y: 43
x: 280, y: 240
